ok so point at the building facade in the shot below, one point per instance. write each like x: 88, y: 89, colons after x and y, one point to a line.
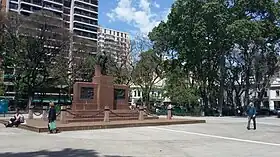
x: 274, y: 94
x: 79, y: 16
x: 114, y: 42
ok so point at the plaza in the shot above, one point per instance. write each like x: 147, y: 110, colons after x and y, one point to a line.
x: 219, y: 137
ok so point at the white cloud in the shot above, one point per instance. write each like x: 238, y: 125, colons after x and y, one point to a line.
x: 138, y: 14
x: 156, y: 5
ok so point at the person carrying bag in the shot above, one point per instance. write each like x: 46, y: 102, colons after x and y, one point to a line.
x: 52, y: 118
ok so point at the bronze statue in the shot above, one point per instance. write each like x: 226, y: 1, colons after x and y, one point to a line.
x: 102, y: 62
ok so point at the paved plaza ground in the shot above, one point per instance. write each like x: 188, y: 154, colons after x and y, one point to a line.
x: 219, y: 137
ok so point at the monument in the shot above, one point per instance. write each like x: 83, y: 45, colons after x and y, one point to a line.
x: 91, y: 98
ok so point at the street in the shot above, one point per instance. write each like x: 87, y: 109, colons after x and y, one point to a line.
x: 219, y: 137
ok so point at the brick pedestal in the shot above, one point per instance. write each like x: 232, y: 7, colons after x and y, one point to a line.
x: 141, y: 113
x: 63, y: 115
x: 106, y: 114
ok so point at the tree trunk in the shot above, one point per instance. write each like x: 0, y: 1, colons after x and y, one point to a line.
x: 29, y: 105
x: 222, y: 81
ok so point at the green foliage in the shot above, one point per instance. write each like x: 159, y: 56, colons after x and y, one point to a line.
x: 217, y: 41
x: 178, y: 87
x: 31, y: 46
x: 147, y: 73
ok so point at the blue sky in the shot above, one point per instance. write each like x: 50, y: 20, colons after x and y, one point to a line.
x: 133, y: 16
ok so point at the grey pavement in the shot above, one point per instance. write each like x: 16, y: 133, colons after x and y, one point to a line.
x: 219, y: 137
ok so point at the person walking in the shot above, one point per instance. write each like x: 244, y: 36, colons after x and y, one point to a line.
x: 52, y: 119
x: 251, y: 112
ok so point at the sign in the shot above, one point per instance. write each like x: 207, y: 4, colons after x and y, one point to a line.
x: 3, y: 106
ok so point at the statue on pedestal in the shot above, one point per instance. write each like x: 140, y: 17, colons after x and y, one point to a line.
x: 102, y: 62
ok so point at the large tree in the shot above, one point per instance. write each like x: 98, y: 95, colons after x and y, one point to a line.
x: 31, y: 46
x: 196, y: 33
x: 213, y: 39
x: 147, y: 73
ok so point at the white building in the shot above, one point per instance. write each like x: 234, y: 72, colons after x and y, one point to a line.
x: 157, y: 93
x: 274, y: 94
x: 115, y: 42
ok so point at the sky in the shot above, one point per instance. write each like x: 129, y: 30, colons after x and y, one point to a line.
x: 133, y: 16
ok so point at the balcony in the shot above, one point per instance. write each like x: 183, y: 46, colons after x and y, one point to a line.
x: 86, y: 8
x: 53, y: 9
x: 57, y: 2
x: 84, y: 30
x: 89, y: 2
x: 36, y: 3
x: 85, y: 23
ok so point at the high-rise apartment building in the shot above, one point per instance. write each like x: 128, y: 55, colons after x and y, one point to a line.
x: 114, y: 42
x: 79, y: 16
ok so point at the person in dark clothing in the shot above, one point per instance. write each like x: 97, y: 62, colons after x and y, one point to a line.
x: 52, y: 117
x: 251, y: 112
x: 16, y: 120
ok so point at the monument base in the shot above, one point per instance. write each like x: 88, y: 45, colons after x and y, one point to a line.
x: 38, y: 125
x: 98, y: 116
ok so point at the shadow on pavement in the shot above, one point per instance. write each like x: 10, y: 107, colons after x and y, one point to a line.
x: 68, y: 152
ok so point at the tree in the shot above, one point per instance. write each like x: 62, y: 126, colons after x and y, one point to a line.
x: 196, y: 34
x: 32, y: 44
x: 147, y: 73
x: 256, y: 36
x: 180, y: 88
x: 69, y: 68
x: 217, y: 40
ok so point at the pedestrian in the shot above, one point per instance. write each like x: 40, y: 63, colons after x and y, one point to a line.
x: 52, y: 118
x: 16, y: 120
x: 251, y: 112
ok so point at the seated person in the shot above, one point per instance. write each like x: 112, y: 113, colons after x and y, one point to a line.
x: 16, y: 120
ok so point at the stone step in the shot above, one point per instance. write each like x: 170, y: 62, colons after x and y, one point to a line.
x: 95, y: 111
x: 101, y: 119
x: 102, y: 115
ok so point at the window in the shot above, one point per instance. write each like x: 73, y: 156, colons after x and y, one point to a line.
x: 110, y: 32
x: 119, y: 94
x: 135, y: 93
x: 67, y: 3
x: 86, y: 27
x: 66, y: 11
x: 13, y: 6
x: 24, y: 13
x: 277, y: 93
x: 118, y: 34
x: 25, y: 7
x: 95, y: 2
x: 38, y: 2
x: 121, y: 34
x: 139, y: 93
x: 86, y: 93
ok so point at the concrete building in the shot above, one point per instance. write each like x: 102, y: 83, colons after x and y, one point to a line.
x: 274, y: 94
x: 115, y: 42
x: 79, y: 16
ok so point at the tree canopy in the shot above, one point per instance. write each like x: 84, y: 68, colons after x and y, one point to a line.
x: 212, y: 39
